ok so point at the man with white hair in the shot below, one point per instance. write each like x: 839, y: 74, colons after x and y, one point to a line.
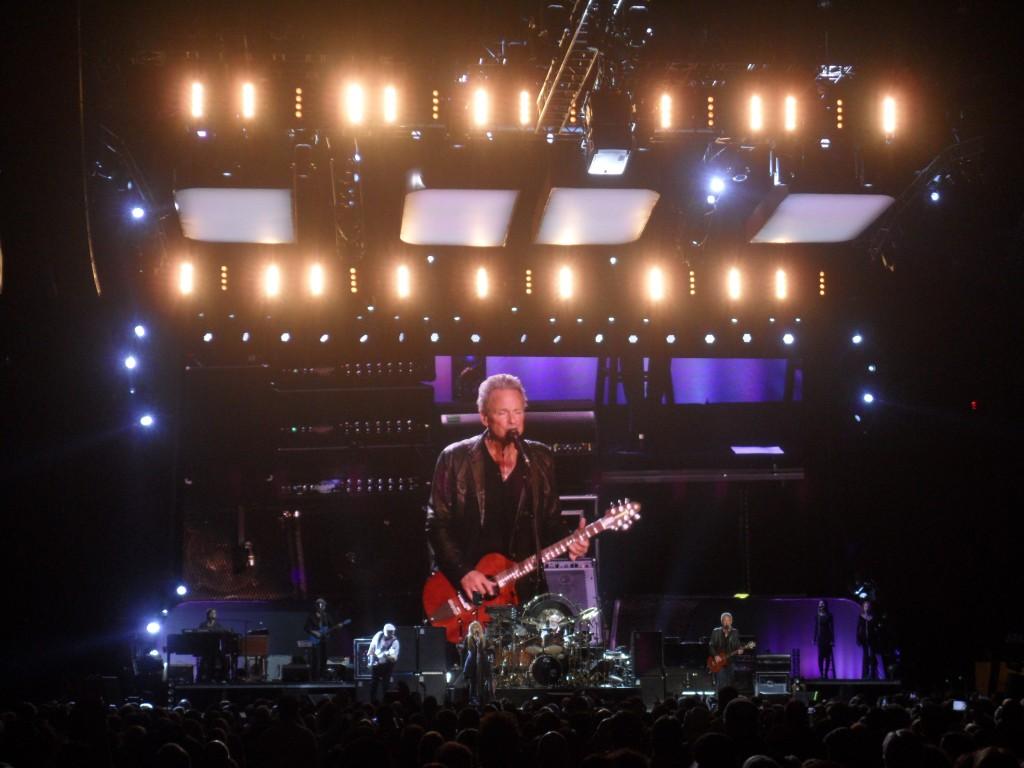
x: 724, y: 643
x: 495, y: 493
x: 381, y: 656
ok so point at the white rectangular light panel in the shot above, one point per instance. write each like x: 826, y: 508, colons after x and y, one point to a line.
x: 810, y: 218
x: 234, y: 215
x: 757, y: 450
x: 473, y: 217
x: 579, y: 216
x: 608, y: 162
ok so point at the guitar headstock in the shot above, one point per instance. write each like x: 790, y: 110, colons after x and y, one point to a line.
x: 622, y: 514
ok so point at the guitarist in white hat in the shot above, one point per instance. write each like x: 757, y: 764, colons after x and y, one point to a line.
x: 382, y: 655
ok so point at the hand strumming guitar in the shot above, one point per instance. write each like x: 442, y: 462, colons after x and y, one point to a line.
x: 474, y: 581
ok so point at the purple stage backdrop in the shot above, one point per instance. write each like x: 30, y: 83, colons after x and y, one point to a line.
x: 778, y: 624
x: 695, y: 380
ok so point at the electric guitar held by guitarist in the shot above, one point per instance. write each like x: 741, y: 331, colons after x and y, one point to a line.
x: 720, y: 661
x: 444, y: 606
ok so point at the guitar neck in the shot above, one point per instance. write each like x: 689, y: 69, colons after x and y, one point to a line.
x: 529, y: 565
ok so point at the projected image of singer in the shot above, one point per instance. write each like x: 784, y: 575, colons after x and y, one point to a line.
x: 495, y: 493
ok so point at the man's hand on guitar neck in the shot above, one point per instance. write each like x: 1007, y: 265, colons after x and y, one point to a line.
x: 474, y: 581
x: 578, y: 547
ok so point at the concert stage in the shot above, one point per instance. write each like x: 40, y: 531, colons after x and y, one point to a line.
x: 824, y: 690
x: 203, y: 695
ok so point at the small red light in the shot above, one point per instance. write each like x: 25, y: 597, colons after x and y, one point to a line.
x: 974, y: 405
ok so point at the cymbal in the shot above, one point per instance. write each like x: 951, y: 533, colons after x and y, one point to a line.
x: 589, y: 614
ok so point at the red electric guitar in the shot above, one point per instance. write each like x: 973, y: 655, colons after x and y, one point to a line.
x: 444, y: 606
x: 717, y: 663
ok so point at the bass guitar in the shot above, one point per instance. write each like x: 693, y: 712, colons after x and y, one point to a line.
x: 444, y: 606
x: 319, y: 635
x: 717, y: 663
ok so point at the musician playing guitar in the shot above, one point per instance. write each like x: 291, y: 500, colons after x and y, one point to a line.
x: 495, y: 494
x: 318, y: 627
x: 381, y: 656
x: 724, y: 644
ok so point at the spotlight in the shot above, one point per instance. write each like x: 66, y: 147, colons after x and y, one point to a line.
x: 868, y: 398
x: 181, y: 590
x: 130, y: 362
x: 632, y: 338
x: 248, y: 101
x: 709, y: 338
x: 734, y: 284
x: 390, y: 104
x: 756, y: 114
x: 889, y: 116
x: 316, y: 280
x: 272, y: 281
x: 403, y: 282
x: 522, y: 339
x: 524, y: 108
x: 154, y: 653
x: 557, y: 339
x: 197, y: 100
x: 186, y: 278
x: 435, y: 337
x: 286, y: 337
x: 153, y: 627
x: 747, y: 338
x: 481, y: 107
x: 598, y: 338
x: 364, y: 338
x: 655, y: 284
x: 138, y: 212
x: 717, y: 185
x: 671, y: 338
x: 245, y: 336
x: 355, y: 104
x: 789, y: 114
x: 324, y: 338
x: 140, y: 331
x: 781, y: 284
x: 565, y: 283
x: 482, y: 283
x: 856, y: 338
x: 475, y: 338
x: 934, y: 196
x: 711, y: 199
x: 208, y: 337
x: 872, y: 368
x: 665, y: 111
x: 147, y: 420
x: 788, y: 339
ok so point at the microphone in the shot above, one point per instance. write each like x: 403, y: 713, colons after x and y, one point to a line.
x: 513, y: 435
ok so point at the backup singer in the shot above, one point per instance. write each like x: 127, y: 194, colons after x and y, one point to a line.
x: 825, y: 639
x: 725, y: 642
x: 477, y: 668
x: 382, y: 655
x: 869, y: 639
x: 487, y: 496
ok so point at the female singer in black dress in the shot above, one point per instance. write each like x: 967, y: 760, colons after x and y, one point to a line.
x: 477, y: 667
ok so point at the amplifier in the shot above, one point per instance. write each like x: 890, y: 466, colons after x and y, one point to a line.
x: 577, y: 581
x: 360, y: 647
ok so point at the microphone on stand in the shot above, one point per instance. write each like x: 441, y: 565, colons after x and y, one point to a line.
x: 513, y: 435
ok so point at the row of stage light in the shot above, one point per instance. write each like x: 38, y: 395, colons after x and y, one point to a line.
x: 358, y: 106
x: 565, y: 283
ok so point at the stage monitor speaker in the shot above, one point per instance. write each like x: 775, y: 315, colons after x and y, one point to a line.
x: 578, y: 582
x: 680, y: 681
x: 434, y: 684
x: 647, y: 653
x: 652, y: 688
x: 432, y: 650
x: 771, y: 684
x: 295, y: 673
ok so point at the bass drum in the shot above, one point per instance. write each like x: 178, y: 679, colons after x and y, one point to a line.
x: 546, y: 670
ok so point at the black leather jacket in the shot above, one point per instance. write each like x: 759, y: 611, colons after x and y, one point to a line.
x: 457, y: 508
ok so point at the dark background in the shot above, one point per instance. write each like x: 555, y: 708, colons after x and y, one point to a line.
x: 926, y: 504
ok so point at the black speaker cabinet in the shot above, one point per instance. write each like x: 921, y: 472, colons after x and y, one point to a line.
x: 406, y: 650
x: 652, y: 688
x: 431, y: 650
x: 295, y: 673
x: 647, y: 653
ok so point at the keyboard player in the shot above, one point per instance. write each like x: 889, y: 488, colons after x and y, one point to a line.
x: 213, y: 663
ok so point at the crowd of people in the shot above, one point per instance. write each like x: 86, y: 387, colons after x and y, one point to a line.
x: 408, y: 731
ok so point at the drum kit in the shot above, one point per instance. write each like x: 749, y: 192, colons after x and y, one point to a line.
x: 549, y: 642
